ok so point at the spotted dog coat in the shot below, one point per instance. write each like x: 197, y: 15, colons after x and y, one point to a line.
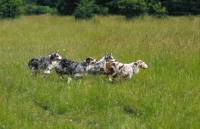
x: 74, y: 69
x: 44, y: 64
x: 98, y: 66
x: 123, y: 70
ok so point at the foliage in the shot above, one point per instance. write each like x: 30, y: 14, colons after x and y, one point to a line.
x: 50, y: 3
x: 37, y: 10
x: 100, y: 10
x: 132, y: 8
x: 29, y: 2
x: 128, y: 8
x: 66, y: 7
x: 182, y: 7
x: 113, y: 7
x: 85, y: 9
x: 10, y: 8
x: 158, y: 10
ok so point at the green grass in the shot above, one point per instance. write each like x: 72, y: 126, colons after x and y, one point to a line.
x: 166, y: 95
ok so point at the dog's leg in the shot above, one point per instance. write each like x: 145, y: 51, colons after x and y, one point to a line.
x: 122, y: 78
x: 69, y: 79
x: 110, y: 79
x: 78, y: 75
x: 114, y: 71
x: 60, y: 76
x: 46, y: 71
x: 43, y: 75
x: 34, y: 73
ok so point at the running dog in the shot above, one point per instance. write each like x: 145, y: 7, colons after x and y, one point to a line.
x: 98, y: 66
x: 44, y: 64
x: 123, y: 70
x: 74, y: 69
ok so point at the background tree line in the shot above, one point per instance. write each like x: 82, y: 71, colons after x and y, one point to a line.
x: 85, y: 9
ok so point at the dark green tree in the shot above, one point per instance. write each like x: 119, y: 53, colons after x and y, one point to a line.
x: 113, y: 6
x: 29, y: 2
x: 132, y: 8
x: 31, y: 9
x: 10, y: 8
x: 182, y: 7
x: 66, y: 7
x: 85, y: 9
x: 50, y: 3
x: 158, y: 10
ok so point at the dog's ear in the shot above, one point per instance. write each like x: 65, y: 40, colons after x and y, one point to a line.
x: 88, y: 60
x: 51, y: 57
x: 135, y: 64
x: 56, y: 54
x: 107, y: 54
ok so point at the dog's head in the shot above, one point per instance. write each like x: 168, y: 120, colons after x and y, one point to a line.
x: 65, y: 62
x: 108, y: 67
x: 55, y: 56
x: 141, y: 64
x: 109, y: 57
x: 90, y: 60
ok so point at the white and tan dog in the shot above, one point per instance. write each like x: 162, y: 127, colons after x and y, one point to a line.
x: 123, y: 70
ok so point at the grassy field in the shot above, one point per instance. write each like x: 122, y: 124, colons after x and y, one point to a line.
x: 164, y: 96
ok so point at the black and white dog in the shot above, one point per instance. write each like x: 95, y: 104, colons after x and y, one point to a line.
x: 98, y: 66
x: 44, y: 64
x: 74, y: 69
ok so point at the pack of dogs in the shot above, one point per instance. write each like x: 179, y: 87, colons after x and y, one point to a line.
x: 107, y: 65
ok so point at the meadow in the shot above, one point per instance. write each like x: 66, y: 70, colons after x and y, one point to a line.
x: 164, y: 96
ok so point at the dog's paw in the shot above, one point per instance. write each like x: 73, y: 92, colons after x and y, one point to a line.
x: 110, y: 79
x: 69, y: 80
x: 114, y: 75
x: 47, y: 72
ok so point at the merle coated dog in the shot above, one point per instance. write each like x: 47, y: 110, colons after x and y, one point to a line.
x: 44, y: 64
x: 123, y: 70
x: 98, y: 66
x: 74, y: 69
